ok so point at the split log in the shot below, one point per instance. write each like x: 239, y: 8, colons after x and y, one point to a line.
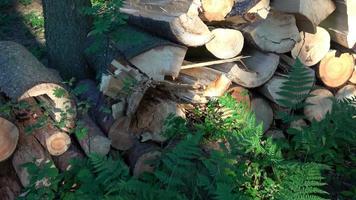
x: 93, y: 140
x: 154, y: 56
x: 348, y: 92
x: 23, y: 76
x: 62, y: 162
x: 9, y: 135
x: 253, y: 71
x: 336, y: 68
x: 175, y: 20
x: 10, y: 188
x: 309, y: 13
x: 142, y: 156
x: 98, y: 105
x: 341, y: 23
x: 227, y: 43
x: 28, y: 150
x: 278, y: 33
x: 312, y: 47
x: 319, y: 104
x: 216, y: 10
x: 55, y: 141
x: 151, y: 116
x: 263, y: 112
x: 120, y: 134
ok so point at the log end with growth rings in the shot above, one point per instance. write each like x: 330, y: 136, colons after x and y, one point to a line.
x: 9, y: 135
x: 58, y: 143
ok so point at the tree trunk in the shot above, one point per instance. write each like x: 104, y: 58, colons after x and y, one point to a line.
x: 66, y: 30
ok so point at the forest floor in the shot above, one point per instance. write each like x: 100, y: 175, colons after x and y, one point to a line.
x: 22, y: 21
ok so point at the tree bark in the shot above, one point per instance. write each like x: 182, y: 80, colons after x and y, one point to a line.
x: 66, y: 30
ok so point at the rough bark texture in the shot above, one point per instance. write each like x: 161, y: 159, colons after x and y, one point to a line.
x: 66, y: 31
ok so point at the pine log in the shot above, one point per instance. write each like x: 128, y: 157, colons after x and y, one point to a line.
x: 23, y: 76
x: 142, y: 157
x: 227, y: 43
x: 98, y: 104
x: 253, y: 71
x: 175, y: 20
x: 154, y: 56
x: 151, y: 116
x: 10, y: 187
x: 240, y: 94
x: 215, y: 10
x: 312, y: 47
x: 278, y: 33
x: 9, y: 135
x: 263, y: 112
x: 94, y: 140
x: 336, y: 68
x: 261, y: 9
x: 348, y: 92
x: 62, y: 162
x: 341, y: 23
x: 353, y: 76
x: 308, y: 13
x: 319, y: 104
x: 28, y: 150
x: 55, y: 141
x: 121, y: 135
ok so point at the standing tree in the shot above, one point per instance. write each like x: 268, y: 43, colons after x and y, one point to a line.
x: 66, y: 29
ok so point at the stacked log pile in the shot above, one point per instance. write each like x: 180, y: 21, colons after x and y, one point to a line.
x: 172, y: 55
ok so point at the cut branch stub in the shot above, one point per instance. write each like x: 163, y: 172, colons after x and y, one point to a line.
x: 23, y: 76
x: 312, y: 47
x: 175, y: 20
x: 320, y: 103
x: 9, y: 135
x: 253, y: 71
x: 336, y: 68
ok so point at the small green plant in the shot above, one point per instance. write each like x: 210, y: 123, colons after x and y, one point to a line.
x: 35, y: 20
x: 25, y: 2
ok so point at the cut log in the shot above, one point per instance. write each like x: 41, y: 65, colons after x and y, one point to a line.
x: 92, y: 140
x: 214, y: 82
x: 320, y: 104
x: 240, y: 94
x: 142, y: 157
x: 55, y: 141
x: 98, y: 105
x: 10, y: 188
x: 227, y: 43
x: 120, y: 134
x: 9, y: 135
x: 151, y: 116
x: 309, y: 13
x: 353, y: 76
x: 28, y: 150
x: 341, y: 23
x: 154, y: 56
x: 312, y: 47
x: 216, y: 10
x: 336, y: 68
x: 253, y: 71
x: 273, y: 87
x: 175, y: 20
x: 62, y: 162
x: 263, y: 112
x: 23, y: 76
x: 348, y: 92
x: 242, y: 7
x: 261, y: 9
x: 278, y: 33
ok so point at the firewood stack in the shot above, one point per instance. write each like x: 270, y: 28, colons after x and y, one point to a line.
x: 171, y: 55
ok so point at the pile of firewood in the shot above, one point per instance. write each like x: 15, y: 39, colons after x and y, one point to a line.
x: 174, y: 54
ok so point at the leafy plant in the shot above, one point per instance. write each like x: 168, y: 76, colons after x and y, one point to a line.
x: 35, y: 20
